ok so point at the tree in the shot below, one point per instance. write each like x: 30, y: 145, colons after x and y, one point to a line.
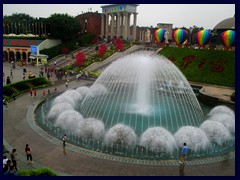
x: 80, y: 58
x: 63, y: 26
x: 17, y: 23
x: 118, y: 43
x: 102, y: 50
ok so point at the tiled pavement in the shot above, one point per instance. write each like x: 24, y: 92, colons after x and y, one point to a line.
x: 17, y: 132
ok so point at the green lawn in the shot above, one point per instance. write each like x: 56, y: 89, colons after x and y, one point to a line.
x: 202, y: 65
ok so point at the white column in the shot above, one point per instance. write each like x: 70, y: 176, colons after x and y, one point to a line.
x: 106, y: 25
x: 112, y: 25
x: 134, y: 26
x: 118, y: 24
x: 125, y: 27
x: 102, y: 25
x: 122, y: 24
x: 128, y: 25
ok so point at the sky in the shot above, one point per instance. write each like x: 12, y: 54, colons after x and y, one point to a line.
x: 187, y: 15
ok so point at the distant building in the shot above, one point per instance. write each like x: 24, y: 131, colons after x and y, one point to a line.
x: 90, y: 22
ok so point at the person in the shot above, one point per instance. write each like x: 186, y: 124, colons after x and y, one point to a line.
x: 31, y: 92
x: 183, y: 153
x: 35, y: 93
x: 13, y: 158
x: 5, y: 159
x: 28, y: 151
x: 6, y: 166
x: 8, y: 80
x: 11, y: 172
x: 66, y: 84
x: 49, y: 93
x: 64, y: 140
x: 44, y: 93
x: 24, y: 76
x: 11, y: 74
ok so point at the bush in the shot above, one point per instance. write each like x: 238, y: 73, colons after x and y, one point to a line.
x: 39, y: 81
x: 20, y: 86
x: 76, y: 69
x: 37, y: 172
x: 23, y: 86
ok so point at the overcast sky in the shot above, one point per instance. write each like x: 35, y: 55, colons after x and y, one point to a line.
x: 202, y: 15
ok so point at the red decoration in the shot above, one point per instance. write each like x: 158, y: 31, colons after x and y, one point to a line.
x: 102, y: 50
x: 218, y: 66
x: 186, y: 61
x: 118, y: 43
x: 80, y: 58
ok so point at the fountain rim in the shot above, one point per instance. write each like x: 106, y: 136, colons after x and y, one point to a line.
x: 202, y: 160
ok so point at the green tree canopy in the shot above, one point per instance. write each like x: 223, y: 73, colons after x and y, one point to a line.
x: 63, y: 26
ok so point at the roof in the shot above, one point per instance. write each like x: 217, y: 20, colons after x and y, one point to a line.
x: 228, y: 23
x: 21, y: 42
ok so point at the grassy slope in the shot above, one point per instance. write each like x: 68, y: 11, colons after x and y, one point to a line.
x: 205, y: 74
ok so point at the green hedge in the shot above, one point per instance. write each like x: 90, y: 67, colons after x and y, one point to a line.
x: 24, y: 86
x: 37, y: 172
x: 205, y: 74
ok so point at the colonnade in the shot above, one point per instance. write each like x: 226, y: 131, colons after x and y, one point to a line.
x: 119, y: 25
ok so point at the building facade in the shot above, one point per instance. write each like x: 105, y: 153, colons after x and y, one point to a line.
x: 115, y: 21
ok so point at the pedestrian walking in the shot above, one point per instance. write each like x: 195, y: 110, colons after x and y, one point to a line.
x: 66, y: 84
x: 35, y: 93
x: 183, y: 153
x: 44, y: 93
x: 8, y: 80
x: 5, y: 159
x: 64, y: 140
x: 49, y: 93
x: 24, y: 76
x: 6, y: 166
x: 11, y: 73
x: 31, y: 92
x: 11, y: 172
x: 28, y: 151
x: 14, y: 158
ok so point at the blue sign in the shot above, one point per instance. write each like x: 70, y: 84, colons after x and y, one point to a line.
x: 33, y: 50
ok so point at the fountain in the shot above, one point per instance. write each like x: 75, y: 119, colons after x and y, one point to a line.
x: 141, y: 106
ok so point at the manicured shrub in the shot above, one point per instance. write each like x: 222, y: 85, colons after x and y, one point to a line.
x: 37, y: 172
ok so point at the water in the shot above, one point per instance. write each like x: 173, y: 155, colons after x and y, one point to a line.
x: 141, y: 106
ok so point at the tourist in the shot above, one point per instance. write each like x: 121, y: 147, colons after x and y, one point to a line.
x: 13, y: 158
x: 11, y: 73
x: 11, y: 172
x: 35, y: 93
x: 28, y: 151
x: 6, y: 167
x: 44, y: 93
x: 66, y: 84
x: 49, y: 93
x: 31, y: 92
x: 64, y: 140
x: 5, y: 159
x: 8, y: 80
x: 183, y: 153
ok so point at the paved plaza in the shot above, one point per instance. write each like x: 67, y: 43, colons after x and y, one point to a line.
x: 48, y: 151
